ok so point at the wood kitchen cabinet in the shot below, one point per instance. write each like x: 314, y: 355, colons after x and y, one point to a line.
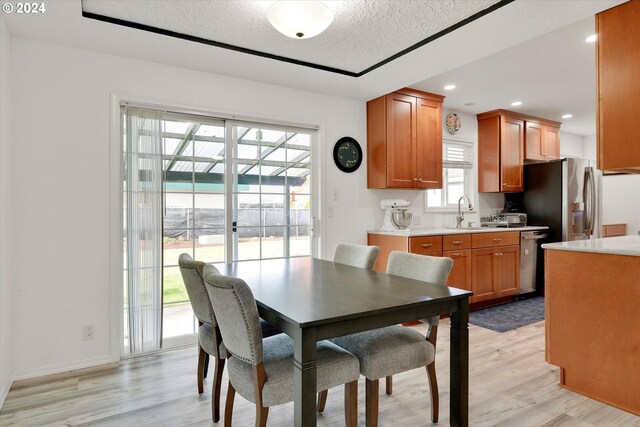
x: 460, y: 275
x: 495, y: 260
x: 542, y: 141
x: 618, y: 85
x: 487, y: 263
x: 500, y: 152
x: 404, y: 140
x: 495, y: 272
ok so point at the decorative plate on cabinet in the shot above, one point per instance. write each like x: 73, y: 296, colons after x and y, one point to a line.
x: 347, y: 154
x: 453, y: 123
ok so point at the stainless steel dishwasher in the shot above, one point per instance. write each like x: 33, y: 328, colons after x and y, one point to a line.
x: 529, y: 248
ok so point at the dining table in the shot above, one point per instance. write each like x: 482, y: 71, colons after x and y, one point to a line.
x: 311, y: 299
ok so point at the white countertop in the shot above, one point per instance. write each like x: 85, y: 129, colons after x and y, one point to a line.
x: 624, y: 245
x: 416, y: 232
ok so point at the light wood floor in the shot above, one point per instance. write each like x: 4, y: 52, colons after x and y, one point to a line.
x: 510, y: 385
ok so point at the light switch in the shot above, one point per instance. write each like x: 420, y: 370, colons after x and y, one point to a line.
x: 335, y: 196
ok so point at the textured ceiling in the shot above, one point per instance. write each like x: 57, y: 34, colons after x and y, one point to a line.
x: 362, y: 34
x: 504, y: 28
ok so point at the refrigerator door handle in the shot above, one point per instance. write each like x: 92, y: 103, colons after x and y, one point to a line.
x: 589, y: 193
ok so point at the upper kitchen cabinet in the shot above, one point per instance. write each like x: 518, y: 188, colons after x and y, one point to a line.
x: 618, y: 68
x: 404, y: 140
x: 542, y: 140
x: 500, y: 151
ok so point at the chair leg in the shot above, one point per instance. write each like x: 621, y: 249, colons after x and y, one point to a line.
x: 389, y: 385
x: 433, y: 386
x: 351, y: 404
x: 215, y: 390
x: 261, y: 416
x: 372, y: 389
x: 228, y: 408
x: 206, y: 365
x: 322, y: 400
x: 200, y: 373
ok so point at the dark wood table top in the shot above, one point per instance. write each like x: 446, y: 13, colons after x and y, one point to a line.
x: 312, y: 292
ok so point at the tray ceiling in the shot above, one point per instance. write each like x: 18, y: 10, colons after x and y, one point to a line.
x: 362, y: 35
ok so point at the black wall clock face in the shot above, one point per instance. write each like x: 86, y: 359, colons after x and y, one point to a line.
x: 347, y: 154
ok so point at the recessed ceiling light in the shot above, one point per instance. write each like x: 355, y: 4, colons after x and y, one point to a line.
x: 469, y: 104
x: 516, y: 103
x: 592, y: 38
x: 567, y: 116
x: 449, y: 87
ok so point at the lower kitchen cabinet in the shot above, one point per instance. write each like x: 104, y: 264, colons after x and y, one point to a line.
x: 488, y: 264
x: 460, y: 275
x: 495, y: 272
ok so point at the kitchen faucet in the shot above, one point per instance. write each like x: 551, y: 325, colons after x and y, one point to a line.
x: 460, y: 216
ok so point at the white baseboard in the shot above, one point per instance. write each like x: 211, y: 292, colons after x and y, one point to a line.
x: 63, y: 367
x: 5, y: 391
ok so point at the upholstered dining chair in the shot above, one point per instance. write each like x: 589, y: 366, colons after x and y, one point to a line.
x: 388, y: 351
x: 209, y: 339
x: 356, y: 255
x: 261, y: 370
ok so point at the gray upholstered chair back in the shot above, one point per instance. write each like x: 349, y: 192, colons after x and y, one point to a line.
x: 356, y: 255
x: 237, y: 315
x: 191, y: 271
x: 420, y: 267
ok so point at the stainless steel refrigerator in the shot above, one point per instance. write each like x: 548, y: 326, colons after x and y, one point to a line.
x: 564, y: 195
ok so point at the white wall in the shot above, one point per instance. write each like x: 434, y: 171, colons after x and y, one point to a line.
x: 589, y: 147
x: 571, y: 145
x: 5, y: 187
x: 620, y: 194
x: 61, y: 173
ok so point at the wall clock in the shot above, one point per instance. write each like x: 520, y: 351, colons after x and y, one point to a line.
x: 347, y: 154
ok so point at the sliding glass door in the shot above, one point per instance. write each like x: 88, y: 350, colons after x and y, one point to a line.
x: 193, y: 209
x: 271, y: 193
x: 252, y: 204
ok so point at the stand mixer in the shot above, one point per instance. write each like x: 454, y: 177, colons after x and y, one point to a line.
x: 395, y: 208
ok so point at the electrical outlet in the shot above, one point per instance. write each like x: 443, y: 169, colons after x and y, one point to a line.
x: 331, y: 212
x: 335, y: 196
x: 88, y: 332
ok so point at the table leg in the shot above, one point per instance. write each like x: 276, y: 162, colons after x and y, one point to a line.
x: 459, y: 386
x: 304, y: 377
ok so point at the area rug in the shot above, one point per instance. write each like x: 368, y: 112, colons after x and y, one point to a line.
x: 510, y: 316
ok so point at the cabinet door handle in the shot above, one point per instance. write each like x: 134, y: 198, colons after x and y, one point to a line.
x: 504, y: 183
x: 498, y: 254
x: 496, y: 240
x: 419, y: 179
x: 545, y: 154
x: 457, y: 242
x: 427, y: 245
x: 414, y: 179
x: 457, y: 254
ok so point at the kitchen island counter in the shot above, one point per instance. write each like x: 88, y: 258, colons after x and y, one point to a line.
x: 623, y: 245
x: 592, y: 313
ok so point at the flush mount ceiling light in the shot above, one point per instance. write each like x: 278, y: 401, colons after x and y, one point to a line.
x: 567, y: 116
x: 592, y: 38
x: 449, y: 87
x: 300, y: 19
x: 516, y: 103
